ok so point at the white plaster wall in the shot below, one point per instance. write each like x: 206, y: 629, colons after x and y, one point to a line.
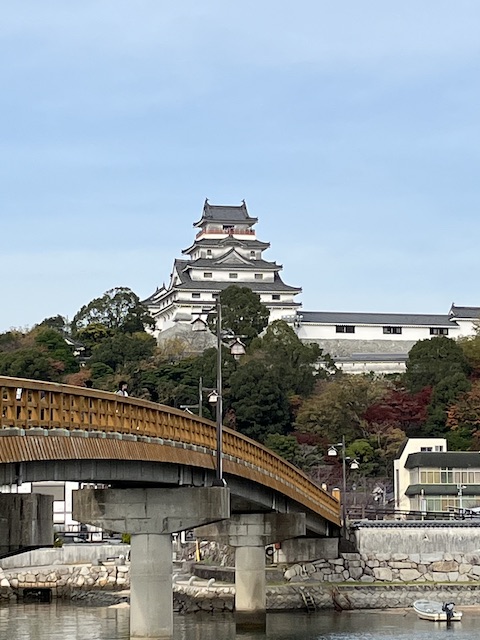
x: 401, y: 476
x: 372, y: 367
x: 313, y: 331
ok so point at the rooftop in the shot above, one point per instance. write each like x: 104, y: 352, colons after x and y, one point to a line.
x: 224, y: 213
x: 384, y: 319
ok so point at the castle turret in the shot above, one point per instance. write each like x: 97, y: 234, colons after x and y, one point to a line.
x: 225, y: 251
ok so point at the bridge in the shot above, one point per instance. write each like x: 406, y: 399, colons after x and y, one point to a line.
x: 139, y: 448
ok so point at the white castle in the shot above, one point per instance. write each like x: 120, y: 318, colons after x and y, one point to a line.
x: 226, y: 251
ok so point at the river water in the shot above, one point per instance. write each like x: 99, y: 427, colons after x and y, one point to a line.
x: 59, y: 621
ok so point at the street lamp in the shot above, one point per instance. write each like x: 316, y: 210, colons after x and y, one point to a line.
x: 237, y: 348
x: 460, y: 488
x: 332, y: 451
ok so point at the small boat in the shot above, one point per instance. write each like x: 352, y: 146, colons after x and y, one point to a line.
x: 437, y: 611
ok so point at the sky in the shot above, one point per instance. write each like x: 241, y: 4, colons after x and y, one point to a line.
x: 351, y: 129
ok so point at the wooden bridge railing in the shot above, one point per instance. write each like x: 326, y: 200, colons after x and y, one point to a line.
x: 29, y: 404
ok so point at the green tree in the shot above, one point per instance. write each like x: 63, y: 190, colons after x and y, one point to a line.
x: 122, y: 350
x: 118, y: 309
x: 431, y: 360
x: 259, y: 403
x: 242, y: 313
x: 338, y: 407
x: 295, y: 363
x: 58, y: 322
x: 56, y: 348
x: 444, y: 395
x: 32, y: 363
x: 285, y: 446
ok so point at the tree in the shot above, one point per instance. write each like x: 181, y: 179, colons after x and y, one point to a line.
x: 338, y: 407
x: 444, y: 395
x: 29, y: 362
x: 118, y: 309
x: 471, y: 348
x: 399, y: 408
x: 296, y: 363
x: 463, y: 420
x: 429, y: 361
x: 123, y: 349
x: 58, y: 322
x: 56, y: 348
x: 242, y: 313
x: 259, y: 403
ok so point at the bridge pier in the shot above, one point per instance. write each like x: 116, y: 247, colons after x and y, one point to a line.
x: 250, y: 533
x: 151, y: 516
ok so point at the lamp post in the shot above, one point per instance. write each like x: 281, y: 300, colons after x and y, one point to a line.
x: 215, y: 397
x: 332, y: 451
x: 460, y: 488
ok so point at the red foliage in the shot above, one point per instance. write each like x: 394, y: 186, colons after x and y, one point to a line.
x: 402, y: 409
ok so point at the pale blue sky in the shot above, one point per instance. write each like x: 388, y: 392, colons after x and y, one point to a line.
x: 352, y: 129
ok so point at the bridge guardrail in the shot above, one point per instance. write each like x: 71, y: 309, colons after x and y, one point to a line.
x: 30, y: 404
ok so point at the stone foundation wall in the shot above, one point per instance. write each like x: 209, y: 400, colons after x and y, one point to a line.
x: 64, y: 582
x: 386, y: 567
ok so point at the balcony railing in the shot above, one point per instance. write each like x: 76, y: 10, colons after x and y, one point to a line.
x: 236, y: 231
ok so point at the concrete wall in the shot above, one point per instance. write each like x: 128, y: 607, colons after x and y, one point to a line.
x: 26, y: 520
x: 418, y: 539
x: 68, y: 554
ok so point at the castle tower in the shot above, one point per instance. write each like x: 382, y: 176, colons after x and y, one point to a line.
x: 225, y: 251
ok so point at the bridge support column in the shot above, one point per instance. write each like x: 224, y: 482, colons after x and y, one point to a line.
x: 250, y: 533
x: 151, y: 516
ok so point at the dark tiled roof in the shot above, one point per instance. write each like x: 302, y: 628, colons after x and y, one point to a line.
x: 225, y: 242
x: 220, y: 263
x: 437, y: 460
x: 472, y: 313
x: 225, y: 213
x: 373, y: 357
x: 415, y: 524
x: 442, y: 490
x: 385, y: 319
x: 213, y: 285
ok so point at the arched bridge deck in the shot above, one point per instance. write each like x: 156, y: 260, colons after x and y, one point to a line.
x: 45, y: 424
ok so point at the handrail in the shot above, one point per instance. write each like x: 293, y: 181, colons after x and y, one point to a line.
x: 30, y: 404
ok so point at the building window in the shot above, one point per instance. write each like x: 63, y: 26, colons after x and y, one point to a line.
x: 395, y: 330
x: 438, y: 331
x: 233, y: 276
x: 195, y: 295
x: 275, y: 296
x: 252, y: 254
x: 426, y: 449
x: 207, y: 274
x: 343, y: 328
x: 259, y: 276
x: 209, y: 253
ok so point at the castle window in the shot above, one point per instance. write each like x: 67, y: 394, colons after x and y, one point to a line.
x: 259, y: 276
x: 233, y: 276
x: 195, y: 295
x: 228, y: 227
x: 252, y: 254
x: 275, y: 296
x: 438, y: 331
x: 343, y: 328
x: 207, y: 274
x: 395, y: 330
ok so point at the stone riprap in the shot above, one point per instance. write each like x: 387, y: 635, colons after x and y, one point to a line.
x: 64, y: 581
x: 395, y: 567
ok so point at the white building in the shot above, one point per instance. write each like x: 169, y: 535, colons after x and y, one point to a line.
x: 379, y: 342
x: 428, y: 478
x: 225, y: 251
